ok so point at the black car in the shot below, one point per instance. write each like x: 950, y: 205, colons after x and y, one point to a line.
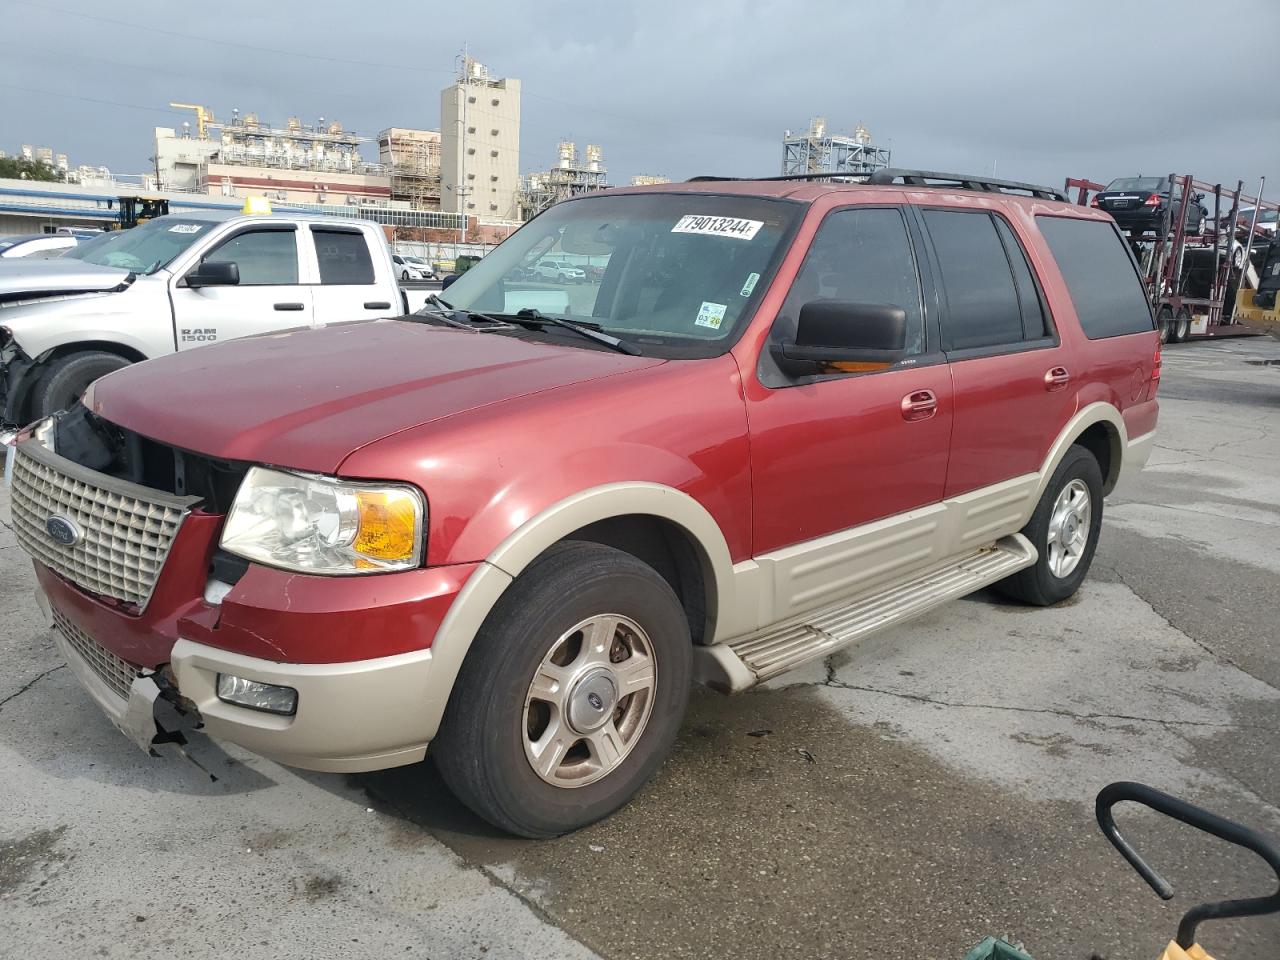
x: 1139, y: 204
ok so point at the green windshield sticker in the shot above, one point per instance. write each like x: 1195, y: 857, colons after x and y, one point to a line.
x: 710, y: 315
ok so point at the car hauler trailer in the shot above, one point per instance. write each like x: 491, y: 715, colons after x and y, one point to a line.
x: 1192, y: 279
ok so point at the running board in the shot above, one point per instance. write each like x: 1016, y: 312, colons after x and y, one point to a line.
x: 822, y: 631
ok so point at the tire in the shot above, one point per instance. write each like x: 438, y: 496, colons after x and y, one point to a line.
x: 66, y: 378
x: 560, y: 278
x: 495, y: 720
x: 404, y: 274
x: 1164, y: 323
x: 1038, y: 584
x: 1181, y: 326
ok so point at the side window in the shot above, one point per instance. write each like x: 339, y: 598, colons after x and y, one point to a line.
x: 982, y: 300
x: 862, y: 255
x: 1104, y: 286
x: 263, y: 256
x: 343, y: 257
x: 1035, y: 324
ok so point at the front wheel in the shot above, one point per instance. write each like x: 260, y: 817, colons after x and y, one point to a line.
x: 66, y: 379
x: 571, y: 695
x: 1064, y: 530
x: 1164, y: 321
x: 404, y: 274
x: 1181, y: 326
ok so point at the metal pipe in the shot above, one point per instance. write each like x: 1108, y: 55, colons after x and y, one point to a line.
x: 1253, y: 225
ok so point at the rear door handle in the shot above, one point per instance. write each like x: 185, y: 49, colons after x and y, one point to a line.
x: 377, y: 305
x: 1056, y: 378
x: 919, y: 405
x: 288, y: 306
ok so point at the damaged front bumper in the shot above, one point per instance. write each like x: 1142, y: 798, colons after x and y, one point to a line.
x: 134, y: 715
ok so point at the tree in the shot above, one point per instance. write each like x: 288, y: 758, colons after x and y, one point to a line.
x: 20, y: 168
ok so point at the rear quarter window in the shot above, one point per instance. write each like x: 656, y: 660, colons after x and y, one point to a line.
x: 1101, y: 278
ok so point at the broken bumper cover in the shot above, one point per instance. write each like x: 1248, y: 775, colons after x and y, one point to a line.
x: 351, y: 717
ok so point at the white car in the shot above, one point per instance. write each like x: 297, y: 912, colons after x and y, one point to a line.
x: 412, y: 268
x: 559, y: 270
x: 37, y: 246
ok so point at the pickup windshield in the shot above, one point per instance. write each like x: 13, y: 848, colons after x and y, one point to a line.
x: 143, y: 249
x: 675, y: 274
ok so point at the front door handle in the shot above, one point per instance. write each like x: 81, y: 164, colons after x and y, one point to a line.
x: 1056, y: 378
x: 377, y: 305
x: 919, y: 405
x: 288, y: 306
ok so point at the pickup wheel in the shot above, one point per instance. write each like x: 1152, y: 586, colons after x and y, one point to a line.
x: 571, y: 695
x: 1064, y: 530
x: 66, y: 378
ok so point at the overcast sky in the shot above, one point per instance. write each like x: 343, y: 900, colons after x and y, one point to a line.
x: 1039, y: 89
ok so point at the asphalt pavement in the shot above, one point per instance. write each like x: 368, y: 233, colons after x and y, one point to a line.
x: 902, y: 799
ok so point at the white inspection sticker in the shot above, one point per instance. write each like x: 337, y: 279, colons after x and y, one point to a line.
x: 710, y: 315
x: 733, y: 227
x: 750, y: 285
x: 185, y: 228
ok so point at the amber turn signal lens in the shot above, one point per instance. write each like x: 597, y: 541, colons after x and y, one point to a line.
x: 387, y: 525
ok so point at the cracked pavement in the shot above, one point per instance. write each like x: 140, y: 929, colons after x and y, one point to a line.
x: 901, y: 799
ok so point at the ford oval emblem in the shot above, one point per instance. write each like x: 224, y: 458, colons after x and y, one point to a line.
x: 63, y: 531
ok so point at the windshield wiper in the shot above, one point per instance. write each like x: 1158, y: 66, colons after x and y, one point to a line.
x: 529, y: 317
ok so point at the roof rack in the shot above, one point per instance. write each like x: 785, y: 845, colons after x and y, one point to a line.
x: 915, y: 178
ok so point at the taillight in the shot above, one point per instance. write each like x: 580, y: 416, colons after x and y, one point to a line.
x: 1155, y: 373
x: 1093, y: 202
x: 1152, y: 201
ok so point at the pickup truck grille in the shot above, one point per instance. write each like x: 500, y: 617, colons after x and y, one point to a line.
x: 120, y: 532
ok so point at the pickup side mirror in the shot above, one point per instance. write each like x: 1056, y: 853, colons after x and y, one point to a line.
x: 214, y: 273
x: 852, y: 336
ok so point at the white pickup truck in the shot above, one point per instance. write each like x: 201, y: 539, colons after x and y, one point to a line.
x: 178, y: 282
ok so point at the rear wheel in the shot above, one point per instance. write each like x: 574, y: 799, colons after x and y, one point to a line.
x: 1181, y: 326
x: 66, y: 378
x: 571, y: 694
x: 1064, y: 530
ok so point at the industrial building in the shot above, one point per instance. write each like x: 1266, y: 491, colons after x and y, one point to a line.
x: 568, y: 178
x: 412, y: 158
x: 818, y: 151
x: 297, y: 163
x: 480, y: 144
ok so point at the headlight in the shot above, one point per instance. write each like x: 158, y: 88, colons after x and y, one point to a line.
x: 316, y: 524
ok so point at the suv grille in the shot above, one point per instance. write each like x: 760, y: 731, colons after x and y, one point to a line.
x: 116, y: 673
x: 122, y: 531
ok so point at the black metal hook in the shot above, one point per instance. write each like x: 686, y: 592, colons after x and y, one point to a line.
x: 1201, y: 819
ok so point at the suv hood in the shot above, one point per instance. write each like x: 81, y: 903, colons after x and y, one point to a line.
x: 25, y: 279
x: 306, y: 399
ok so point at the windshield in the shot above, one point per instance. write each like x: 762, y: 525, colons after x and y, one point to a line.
x: 1127, y: 184
x: 674, y: 274
x: 143, y: 249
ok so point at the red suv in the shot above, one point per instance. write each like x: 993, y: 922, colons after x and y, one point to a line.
x: 516, y: 525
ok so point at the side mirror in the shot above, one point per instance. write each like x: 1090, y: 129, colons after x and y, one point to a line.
x: 447, y: 282
x: 852, y: 336
x: 214, y: 273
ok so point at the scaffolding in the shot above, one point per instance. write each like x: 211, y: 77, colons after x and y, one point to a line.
x: 567, y: 179
x: 413, y: 159
x: 817, y: 151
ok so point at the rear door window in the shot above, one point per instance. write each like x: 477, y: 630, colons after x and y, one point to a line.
x: 1100, y: 274
x: 343, y: 257
x: 983, y: 307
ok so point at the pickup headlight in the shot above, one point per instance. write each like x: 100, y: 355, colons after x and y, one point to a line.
x: 317, y: 524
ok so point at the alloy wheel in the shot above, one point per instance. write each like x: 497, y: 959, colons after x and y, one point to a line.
x: 1068, y: 534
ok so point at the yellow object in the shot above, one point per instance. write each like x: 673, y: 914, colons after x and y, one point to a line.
x: 204, y: 117
x: 256, y: 205
x: 1193, y: 952
x: 388, y: 527
x: 1248, y: 312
